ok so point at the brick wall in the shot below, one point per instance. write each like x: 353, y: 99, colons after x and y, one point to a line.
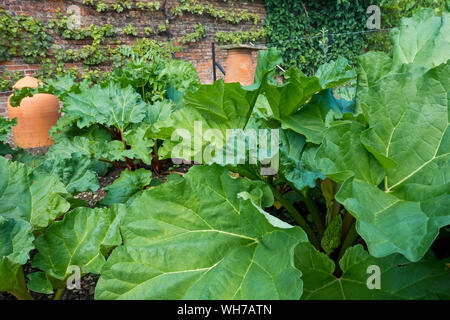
x: 199, y: 54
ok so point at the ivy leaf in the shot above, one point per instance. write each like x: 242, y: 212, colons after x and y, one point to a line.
x: 129, y: 185
x: 399, y: 278
x: 225, y: 236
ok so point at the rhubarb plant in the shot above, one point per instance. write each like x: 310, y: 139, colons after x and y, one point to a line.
x: 358, y: 209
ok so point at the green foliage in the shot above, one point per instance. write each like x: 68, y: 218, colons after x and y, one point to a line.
x: 230, y: 16
x: 299, y: 29
x: 400, y: 279
x: 371, y: 171
x: 240, y: 37
x: 8, y: 79
x: 82, y: 239
x: 129, y: 186
x: 5, y: 127
x: 22, y: 36
x: 130, y: 30
x: 225, y: 236
x: 392, y: 11
x: 198, y: 33
x: 417, y: 107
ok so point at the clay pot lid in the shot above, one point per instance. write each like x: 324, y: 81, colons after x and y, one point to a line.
x: 27, y: 81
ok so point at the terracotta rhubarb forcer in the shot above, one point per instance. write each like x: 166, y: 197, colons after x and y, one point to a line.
x: 35, y: 116
x: 239, y: 64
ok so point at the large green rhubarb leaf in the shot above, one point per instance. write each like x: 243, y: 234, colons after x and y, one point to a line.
x: 219, y: 106
x: 290, y: 97
x: 215, y: 244
x: 409, y: 136
x: 423, y: 40
x: 75, y: 173
x: 16, y: 242
x: 312, y: 120
x: 407, y: 114
x: 342, y: 155
x: 111, y: 106
x: 294, y: 167
x: 39, y: 202
x: 81, y: 239
x: 129, y: 185
x: 398, y: 278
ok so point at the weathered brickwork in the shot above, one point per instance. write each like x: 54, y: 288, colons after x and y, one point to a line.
x: 199, y: 54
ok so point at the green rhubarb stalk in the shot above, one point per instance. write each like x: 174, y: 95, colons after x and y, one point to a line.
x: 297, y: 217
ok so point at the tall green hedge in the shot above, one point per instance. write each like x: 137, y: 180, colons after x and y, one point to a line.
x: 296, y: 27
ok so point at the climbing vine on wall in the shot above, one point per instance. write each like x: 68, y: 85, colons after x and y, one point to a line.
x: 238, y: 37
x: 22, y: 36
x: 31, y: 39
x: 300, y: 30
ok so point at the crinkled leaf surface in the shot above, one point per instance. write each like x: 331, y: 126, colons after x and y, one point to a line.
x: 81, y: 239
x: 311, y: 120
x: 335, y: 73
x: 16, y: 242
x: 219, y: 106
x: 342, y: 155
x: 293, y: 166
x: 38, y: 202
x: 138, y: 137
x: 75, y: 173
x: 215, y: 244
x: 399, y: 278
x: 111, y: 106
x: 408, y: 131
x: 129, y: 185
x: 405, y: 101
x: 290, y: 97
x: 423, y: 40
x: 409, y: 136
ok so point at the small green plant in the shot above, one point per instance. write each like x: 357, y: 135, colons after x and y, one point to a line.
x: 198, y: 34
x: 130, y: 30
x: 240, y: 37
